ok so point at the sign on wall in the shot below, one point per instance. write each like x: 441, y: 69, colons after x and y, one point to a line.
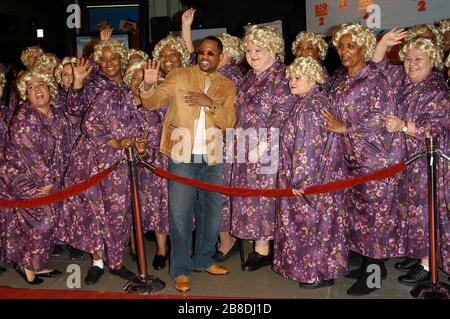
x: 324, y: 15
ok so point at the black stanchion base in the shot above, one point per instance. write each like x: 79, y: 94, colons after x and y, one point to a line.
x: 431, y: 291
x: 147, y: 285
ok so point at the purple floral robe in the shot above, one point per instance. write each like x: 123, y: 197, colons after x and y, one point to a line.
x: 419, y: 103
x: 311, y: 233
x: 362, y: 102
x: 99, y: 219
x: 263, y: 102
x: 233, y: 72
x: 36, y: 155
x: 426, y: 104
x: 154, y: 190
x: 443, y: 174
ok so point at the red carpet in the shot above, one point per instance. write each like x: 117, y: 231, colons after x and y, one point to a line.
x: 23, y: 293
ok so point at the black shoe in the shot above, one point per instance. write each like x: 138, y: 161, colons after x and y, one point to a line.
x: 360, y: 287
x: 2, y: 269
x: 159, y: 262
x: 124, y: 273
x: 94, y: 274
x: 53, y: 273
x: 22, y: 274
x: 316, y: 284
x: 407, y: 264
x: 415, y: 276
x: 75, y: 254
x: 256, y: 261
x: 220, y: 256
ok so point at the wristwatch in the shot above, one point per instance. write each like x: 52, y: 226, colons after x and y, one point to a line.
x: 405, y: 127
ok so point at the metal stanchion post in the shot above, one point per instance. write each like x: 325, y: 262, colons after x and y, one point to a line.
x: 433, y: 289
x: 145, y: 283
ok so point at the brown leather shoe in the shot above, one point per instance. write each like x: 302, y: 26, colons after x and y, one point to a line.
x: 182, y: 283
x: 215, y: 269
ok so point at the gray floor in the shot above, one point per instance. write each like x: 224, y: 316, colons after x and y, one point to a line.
x: 263, y: 283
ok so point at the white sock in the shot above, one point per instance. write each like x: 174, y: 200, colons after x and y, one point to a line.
x: 426, y: 267
x: 98, y: 263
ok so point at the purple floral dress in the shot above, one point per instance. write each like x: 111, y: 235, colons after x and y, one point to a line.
x: 36, y: 155
x: 233, y: 72
x: 362, y: 102
x: 99, y: 219
x: 263, y: 104
x: 311, y: 233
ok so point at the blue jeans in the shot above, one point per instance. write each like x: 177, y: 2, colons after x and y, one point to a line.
x: 184, y: 202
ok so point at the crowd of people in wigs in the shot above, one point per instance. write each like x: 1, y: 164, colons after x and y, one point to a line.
x: 65, y: 120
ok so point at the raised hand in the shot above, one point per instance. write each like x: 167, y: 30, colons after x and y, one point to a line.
x: 151, y: 73
x: 81, y: 71
x: 394, y: 37
x: 297, y: 192
x: 105, y: 34
x: 186, y: 33
x: 188, y: 17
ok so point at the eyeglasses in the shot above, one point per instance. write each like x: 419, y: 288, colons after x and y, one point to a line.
x: 203, y: 52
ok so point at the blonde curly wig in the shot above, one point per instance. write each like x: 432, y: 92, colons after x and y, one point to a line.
x: 136, y: 65
x: 2, y: 78
x: 417, y: 30
x: 444, y: 25
x: 27, y: 55
x: 116, y: 48
x: 59, y: 69
x: 305, y: 66
x: 361, y: 35
x: 142, y: 54
x: 44, y: 60
x: 266, y: 38
x: 428, y: 47
x: 3, y: 72
x: 175, y: 43
x: 231, y: 46
x: 316, y: 39
x: 447, y: 61
x: 28, y: 75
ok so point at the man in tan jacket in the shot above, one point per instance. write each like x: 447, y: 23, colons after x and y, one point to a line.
x: 201, y: 107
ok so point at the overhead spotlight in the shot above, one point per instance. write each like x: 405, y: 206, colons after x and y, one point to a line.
x: 40, y: 33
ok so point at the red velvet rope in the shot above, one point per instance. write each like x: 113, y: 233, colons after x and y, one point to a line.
x: 57, y: 196
x: 316, y: 189
x: 227, y: 190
